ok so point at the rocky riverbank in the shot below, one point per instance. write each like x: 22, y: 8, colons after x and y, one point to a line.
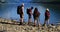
x: 7, y: 25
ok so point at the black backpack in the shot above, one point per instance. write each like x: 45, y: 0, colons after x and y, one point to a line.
x: 27, y: 11
x: 19, y: 10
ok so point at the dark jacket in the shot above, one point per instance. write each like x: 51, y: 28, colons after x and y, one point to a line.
x: 47, y: 14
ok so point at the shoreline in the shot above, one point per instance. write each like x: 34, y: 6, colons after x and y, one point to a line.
x: 13, y: 26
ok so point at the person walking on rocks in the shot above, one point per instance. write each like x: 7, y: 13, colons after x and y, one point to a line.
x: 36, y: 15
x: 47, y: 16
x: 20, y: 10
x: 29, y: 12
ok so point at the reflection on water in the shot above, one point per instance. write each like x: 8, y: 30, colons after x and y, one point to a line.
x: 10, y: 11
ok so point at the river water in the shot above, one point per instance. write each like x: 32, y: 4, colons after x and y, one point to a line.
x: 9, y: 11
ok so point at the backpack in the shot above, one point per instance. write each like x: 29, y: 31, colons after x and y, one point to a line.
x: 28, y: 11
x: 19, y: 10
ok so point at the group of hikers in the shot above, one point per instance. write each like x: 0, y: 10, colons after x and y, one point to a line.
x: 35, y: 14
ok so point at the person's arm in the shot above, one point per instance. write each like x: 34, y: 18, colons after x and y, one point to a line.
x: 48, y: 13
x: 23, y: 9
x: 30, y: 11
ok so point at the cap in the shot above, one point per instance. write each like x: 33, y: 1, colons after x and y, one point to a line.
x: 47, y: 9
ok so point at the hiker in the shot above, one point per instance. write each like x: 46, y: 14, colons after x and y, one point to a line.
x: 20, y: 12
x: 29, y: 12
x: 47, y: 16
x: 36, y: 15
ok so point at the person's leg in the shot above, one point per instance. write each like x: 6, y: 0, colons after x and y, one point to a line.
x: 48, y: 21
x: 29, y: 20
x: 21, y: 19
x: 38, y: 22
x: 35, y: 21
x: 45, y: 22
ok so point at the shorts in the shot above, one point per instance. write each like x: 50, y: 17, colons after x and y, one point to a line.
x: 35, y: 18
x: 21, y: 16
x: 29, y: 16
x: 46, y: 18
